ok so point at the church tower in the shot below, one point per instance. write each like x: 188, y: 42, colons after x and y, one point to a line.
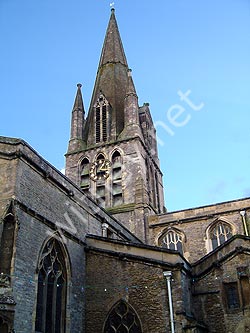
x: 112, y: 153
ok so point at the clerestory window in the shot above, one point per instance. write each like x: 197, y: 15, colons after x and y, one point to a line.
x: 102, y: 127
x: 172, y: 240
x: 122, y: 319
x: 220, y: 233
x: 51, y: 291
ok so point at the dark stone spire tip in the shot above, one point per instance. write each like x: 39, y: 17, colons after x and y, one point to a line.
x: 79, y: 85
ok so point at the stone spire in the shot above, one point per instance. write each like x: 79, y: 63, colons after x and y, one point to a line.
x: 112, y: 51
x: 77, y: 121
x: 111, y: 79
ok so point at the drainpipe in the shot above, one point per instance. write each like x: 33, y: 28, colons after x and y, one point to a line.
x: 168, y: 275
x: 243, y: 215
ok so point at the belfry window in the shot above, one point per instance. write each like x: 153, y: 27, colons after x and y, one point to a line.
x: 117, y: 179
x: 102, y: 128
x: 122, y: 318
x: 51, y: 292
x: 85, y: 181
x: 220, y: 233
x: 172, y: 240
x: 100, y: 184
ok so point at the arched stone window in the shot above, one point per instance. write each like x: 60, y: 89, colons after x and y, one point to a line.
x: 85, y: 181
x: 100, y: 183
x: 122, y: 319
x: 172, y: 240
x: 102, y: 121
x: 7, y: 241
x: 219, y: 233
x: 117, y: 198
x: 51, y: 291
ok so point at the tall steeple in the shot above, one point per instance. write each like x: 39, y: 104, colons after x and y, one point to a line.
x: 111, y: 80
x: 112, y: 154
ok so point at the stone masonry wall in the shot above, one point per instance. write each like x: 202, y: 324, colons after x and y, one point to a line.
x: 112, y: 276
x: 210, y: 305
x: 194, y: 225
x: 31, y: 236
x: 142, y: 285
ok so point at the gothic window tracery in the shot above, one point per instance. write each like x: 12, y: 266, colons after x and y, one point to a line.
x: 117, y: 179
x: 51, y: 291
x: 220, y: 233
x: 172, y: 240
x: 102, y: 127
x: 122, y: 319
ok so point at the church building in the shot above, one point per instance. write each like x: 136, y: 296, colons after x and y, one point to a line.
x: 95, y: 250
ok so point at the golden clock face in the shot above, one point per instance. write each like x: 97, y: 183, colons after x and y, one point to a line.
x: 100, y: 170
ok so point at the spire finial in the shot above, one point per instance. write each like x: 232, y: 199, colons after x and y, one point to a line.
x: 79, y: 85
x: 112, y: 5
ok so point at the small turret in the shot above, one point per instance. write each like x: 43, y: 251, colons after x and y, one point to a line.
x: 77, y: 121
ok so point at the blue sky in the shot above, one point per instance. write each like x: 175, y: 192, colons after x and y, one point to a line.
x: 201, y: 48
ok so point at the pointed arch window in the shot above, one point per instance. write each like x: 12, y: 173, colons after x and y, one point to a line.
x: 7, y: 239
x: 100, y: 184
x: 85, y: 181
x: 122, y: 319
x: 220, y: 233
x: 102, y: 121
x: 117, y: 196
x: 51, y: 292
x: 172, y: 240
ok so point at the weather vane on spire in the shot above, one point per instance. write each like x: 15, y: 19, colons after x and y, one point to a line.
x: 112, y: 5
